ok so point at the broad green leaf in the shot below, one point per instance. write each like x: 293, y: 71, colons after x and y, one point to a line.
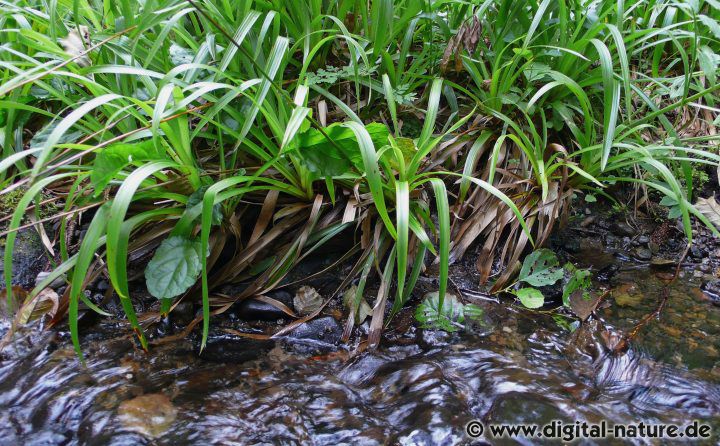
x: 174, y: 268
x: 324, y: 158
x: 407, y: 150
x: 540, y: 268
x: 530, y: 297
x: 713, y: 25
x: 368, y: 151
x: 113, y: 158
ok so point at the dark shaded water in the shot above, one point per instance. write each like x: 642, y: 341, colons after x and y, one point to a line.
x: 419, y: 388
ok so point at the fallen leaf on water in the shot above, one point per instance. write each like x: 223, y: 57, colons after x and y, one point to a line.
x: 583, y: 303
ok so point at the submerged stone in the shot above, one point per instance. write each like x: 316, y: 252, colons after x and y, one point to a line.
x: 150, y: 415
x: 232, y: 349
x: 519, y: 408
x: 622, y: 229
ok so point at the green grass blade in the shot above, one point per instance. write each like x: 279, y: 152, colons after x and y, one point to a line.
x: 443, y: 210
x: 372, y: 172
x: 402, y: 217
x: 86, y: 255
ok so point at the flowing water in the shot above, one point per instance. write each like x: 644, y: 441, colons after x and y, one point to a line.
x: 420, y: 387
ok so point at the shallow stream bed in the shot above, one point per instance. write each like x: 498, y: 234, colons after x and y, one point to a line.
x: 420, y: 387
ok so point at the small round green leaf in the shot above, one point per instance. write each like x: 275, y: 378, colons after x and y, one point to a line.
x: 174, y: 268
x: 531, y: 297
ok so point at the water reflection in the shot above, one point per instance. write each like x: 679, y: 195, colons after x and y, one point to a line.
x: 418, y: 389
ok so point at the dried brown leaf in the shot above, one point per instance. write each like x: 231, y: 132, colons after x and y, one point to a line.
x: 710, y: 208
x: 582, y: 307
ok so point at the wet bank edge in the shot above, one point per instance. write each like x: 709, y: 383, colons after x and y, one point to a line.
x: 420, y: 387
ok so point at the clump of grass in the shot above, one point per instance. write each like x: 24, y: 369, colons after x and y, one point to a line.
x: 427, y: 126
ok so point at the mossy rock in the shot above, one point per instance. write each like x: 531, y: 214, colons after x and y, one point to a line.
x: 29, y: 259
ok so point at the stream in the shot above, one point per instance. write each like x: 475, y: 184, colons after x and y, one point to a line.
x: 419, y: 387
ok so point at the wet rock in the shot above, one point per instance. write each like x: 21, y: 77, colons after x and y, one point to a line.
x: 711, y: 288
x: 553, y: 293
x: 567, y: 242
x: 622, y: 229
x: 642, y: 253
x: 257, y: 310
x: 607, y: 272
x: 150, y: 415
x: 316, y: 336
x: 654, y: 247
x: 625, y: 299
x: 102, y: 285
x: 29, y: 259
x: 429, y: 339
x: 324, y: 329
x: 583, y: 342
x: 282, y: 296
x: 222, y: 347
x: 183, y: 313
x: 696, y: 251
x: 643, y: 239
